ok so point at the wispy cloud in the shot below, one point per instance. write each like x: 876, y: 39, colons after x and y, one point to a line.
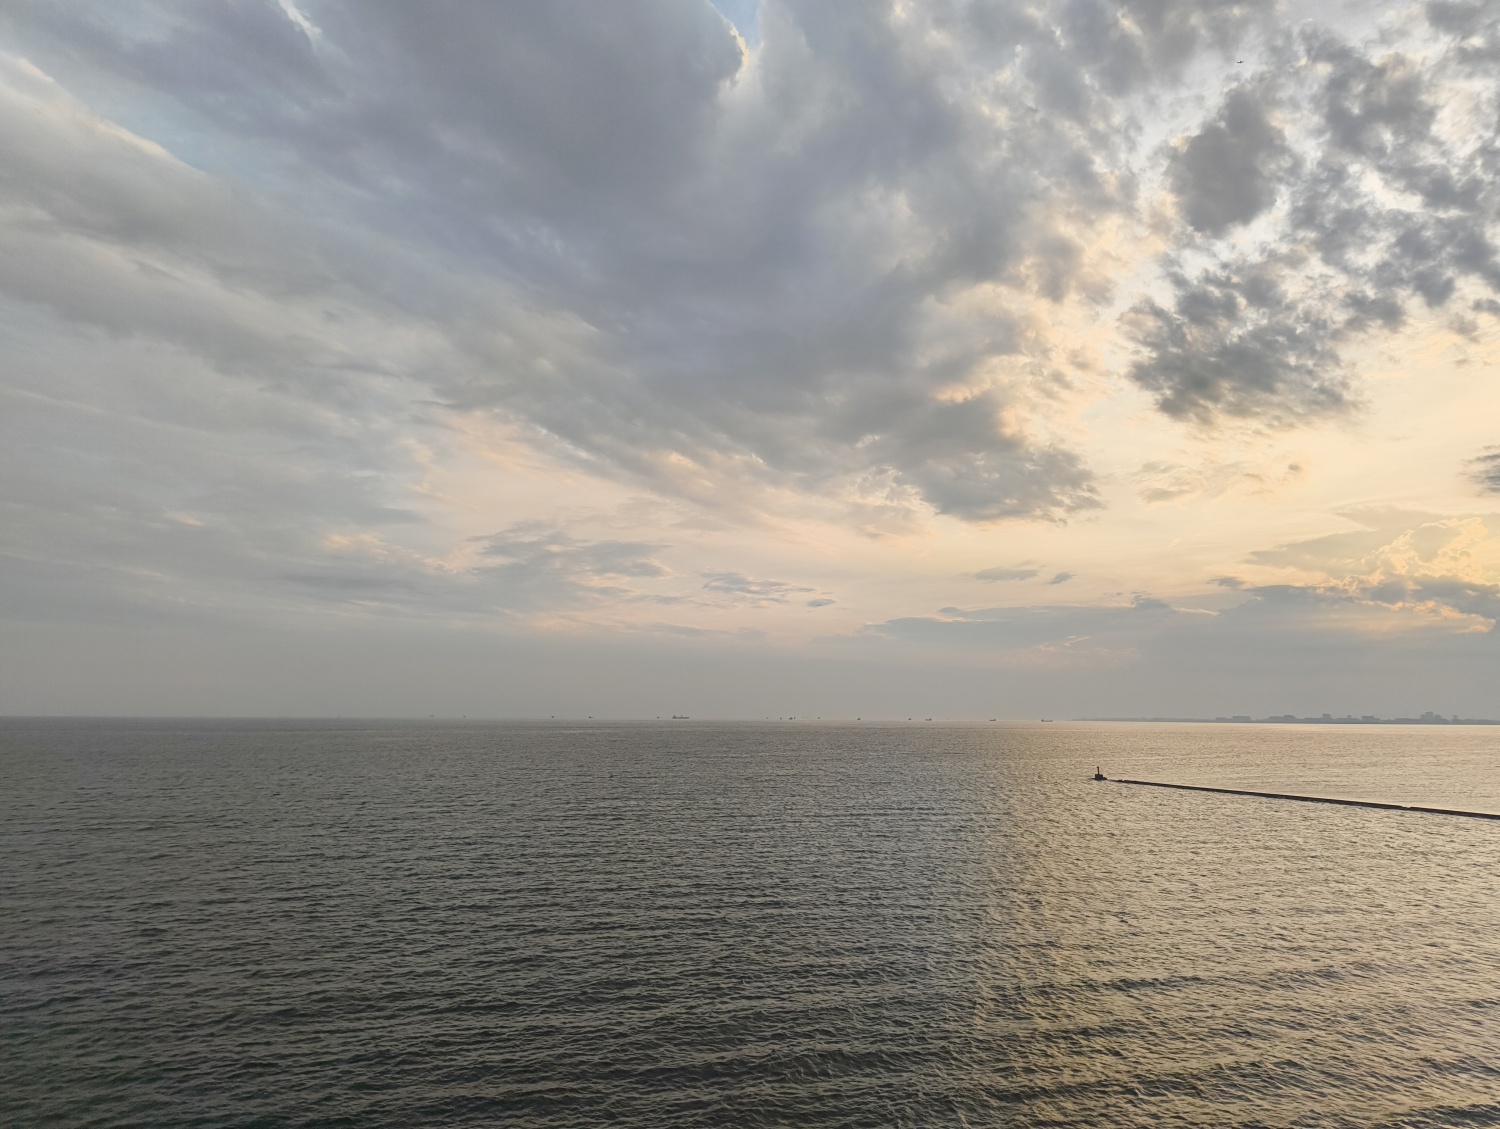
x: 1000, y: 572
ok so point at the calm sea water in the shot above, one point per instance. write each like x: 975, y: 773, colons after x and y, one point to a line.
x: 388, y: 924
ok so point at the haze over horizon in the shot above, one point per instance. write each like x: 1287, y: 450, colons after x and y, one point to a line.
x: 959, y: 359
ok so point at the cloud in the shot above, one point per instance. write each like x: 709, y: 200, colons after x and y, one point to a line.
x: 810, y: 264
x: 1390, y: 575
x: 1236, y: 343
x: 809, y: 268
x: 1433, y: 567
x: 687, y: 631
x: 531, y: 565
x: 751, y: 591
x: 1086, y: 630
x: 1226, y: 174
x: 261, y: 264
x: 1387, y: 202
x: 1485, y: 471
x: 815, y: 267
x: 1001, y: 573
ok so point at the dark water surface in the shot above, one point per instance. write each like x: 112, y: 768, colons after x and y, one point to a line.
x: 402, y: 924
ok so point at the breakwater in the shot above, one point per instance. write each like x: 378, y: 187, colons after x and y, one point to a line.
x: 1310, y: 799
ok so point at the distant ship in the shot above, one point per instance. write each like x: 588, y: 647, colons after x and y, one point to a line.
x: 681, y: 717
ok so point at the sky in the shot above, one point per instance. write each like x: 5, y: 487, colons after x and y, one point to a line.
x: 959, y: 359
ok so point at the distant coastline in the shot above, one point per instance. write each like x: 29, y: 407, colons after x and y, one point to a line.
x: 1325, y: 719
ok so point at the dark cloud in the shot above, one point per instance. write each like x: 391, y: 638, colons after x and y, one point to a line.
x: 1061, y: 578
x: 1458, y: 17
x: 1003, y: 482
x: 660, y: 252
x: 1386, y: 207
x: 1485, y: 471
x: 683, y: 257
x: 1236, y: 343
x: 1227, y: 173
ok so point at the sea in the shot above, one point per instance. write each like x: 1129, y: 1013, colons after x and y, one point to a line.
x: 663, y: 924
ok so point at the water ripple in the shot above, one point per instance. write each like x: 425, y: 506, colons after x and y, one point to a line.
x: 360, y: 924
